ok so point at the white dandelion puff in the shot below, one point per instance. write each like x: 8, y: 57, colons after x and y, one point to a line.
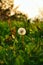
x: 21, y: 31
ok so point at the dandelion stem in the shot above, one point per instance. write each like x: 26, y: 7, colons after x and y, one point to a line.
x: 23, y: 45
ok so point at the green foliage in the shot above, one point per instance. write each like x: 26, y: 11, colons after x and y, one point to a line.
x: 13, y: 52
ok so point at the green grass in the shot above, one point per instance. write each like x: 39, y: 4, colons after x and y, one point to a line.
x: 14, y: 50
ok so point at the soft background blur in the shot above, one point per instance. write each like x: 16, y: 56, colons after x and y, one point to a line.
x: 23, y: 47
x: 30, y: 7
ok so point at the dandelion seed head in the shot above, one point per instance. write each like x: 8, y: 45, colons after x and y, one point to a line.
x: 21, y: 31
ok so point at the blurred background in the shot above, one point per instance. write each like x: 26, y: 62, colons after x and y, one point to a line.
x: 21, y: 32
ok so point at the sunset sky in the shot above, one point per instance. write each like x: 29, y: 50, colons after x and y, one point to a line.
x: 29, y: 7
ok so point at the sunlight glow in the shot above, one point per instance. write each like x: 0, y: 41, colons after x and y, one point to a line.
x: 29, y: 7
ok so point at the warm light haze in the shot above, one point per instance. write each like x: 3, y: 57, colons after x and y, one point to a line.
x: 29, y: 7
